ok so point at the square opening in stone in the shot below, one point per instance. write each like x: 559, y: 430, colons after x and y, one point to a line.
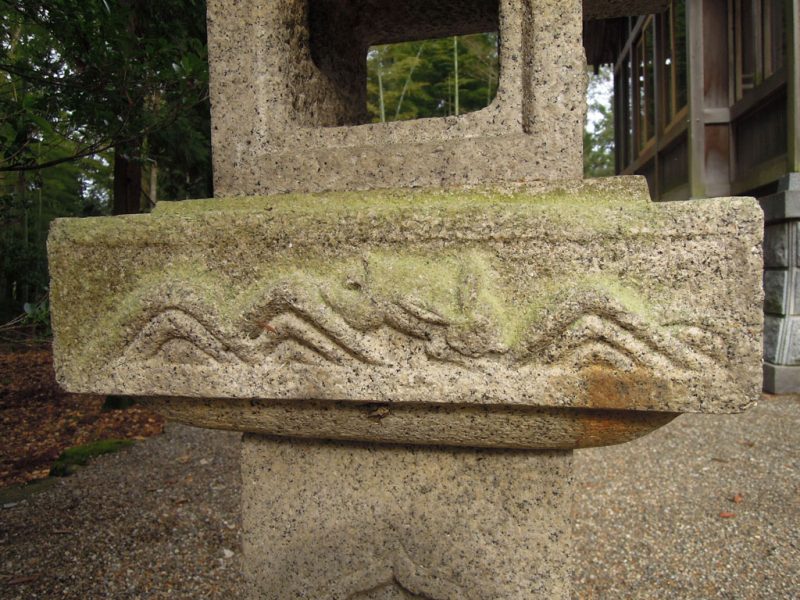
x: 443, y: 77
x: 343, y: 34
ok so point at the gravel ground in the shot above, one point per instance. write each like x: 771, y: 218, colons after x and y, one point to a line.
x: 160, y: 520
x: 648, y: 513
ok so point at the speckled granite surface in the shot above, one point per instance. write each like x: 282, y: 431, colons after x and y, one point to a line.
x: 374, y: 522
x: 288, y: 94
x: 288, y: 97
x: 583, y: 296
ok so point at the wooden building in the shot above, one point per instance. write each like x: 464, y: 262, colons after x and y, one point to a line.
x: 707, y: 103
x: 706, y: 95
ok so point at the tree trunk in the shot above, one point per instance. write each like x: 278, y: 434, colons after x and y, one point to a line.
x: 127, y: 166
x: 127, y: 181
x: 153, y: 195
x: 455, y: 68
x: 22, y: 188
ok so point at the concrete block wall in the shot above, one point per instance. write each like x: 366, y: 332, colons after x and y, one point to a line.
x: 782, y: 287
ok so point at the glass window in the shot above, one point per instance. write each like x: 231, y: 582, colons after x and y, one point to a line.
x: 774, y: 35
x: 645, y: 84
x: 669, y: 64
x: 748, y: 27
x: 675, y: 84
x: 680, y: 53
x: 759, y: 41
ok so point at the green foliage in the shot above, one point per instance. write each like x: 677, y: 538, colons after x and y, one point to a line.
x: 73, y: 458
x: 28, y: 202
x: 82, y: 76
x: 417, y: 79
x: 37, y: 315
x: 78, y: 78
x: 598, y: 133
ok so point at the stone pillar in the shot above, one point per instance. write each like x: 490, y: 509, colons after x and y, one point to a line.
x: 782, y: 287
x: 339, y: 520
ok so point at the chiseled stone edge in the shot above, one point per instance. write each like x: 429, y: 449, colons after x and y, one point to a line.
x: 447, y: 425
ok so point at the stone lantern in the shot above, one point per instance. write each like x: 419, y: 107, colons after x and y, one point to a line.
x: 414, y: 323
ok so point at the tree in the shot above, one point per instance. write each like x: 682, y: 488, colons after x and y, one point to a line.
x: 414, y: 80
x: 90, y: 75
x: 89, y: 88
x: 598, y: 133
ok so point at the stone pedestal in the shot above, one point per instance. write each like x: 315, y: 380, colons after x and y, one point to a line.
x: 458, y: 344
x: 362, y: 521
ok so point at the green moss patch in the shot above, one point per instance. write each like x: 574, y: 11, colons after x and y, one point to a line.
x: 78, y: 456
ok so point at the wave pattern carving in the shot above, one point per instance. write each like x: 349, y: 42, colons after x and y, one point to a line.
x: 379, y: 316
x: 458, y: 312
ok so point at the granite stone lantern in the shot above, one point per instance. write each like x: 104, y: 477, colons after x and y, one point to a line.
x: 413, y: 323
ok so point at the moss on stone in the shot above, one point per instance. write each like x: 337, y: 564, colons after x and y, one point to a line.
x: 436, y: 249
x: 464, y: 290
x: 592, y: 202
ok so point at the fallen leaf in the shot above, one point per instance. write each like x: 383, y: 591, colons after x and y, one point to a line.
x: 737, y: 499
x: 727, y: 515
x: 39, y: 420
x: 22, y: 579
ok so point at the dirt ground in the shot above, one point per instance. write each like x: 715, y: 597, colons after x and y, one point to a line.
x: 38, y: 420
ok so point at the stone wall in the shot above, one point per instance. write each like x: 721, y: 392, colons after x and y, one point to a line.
x: 782, y: 287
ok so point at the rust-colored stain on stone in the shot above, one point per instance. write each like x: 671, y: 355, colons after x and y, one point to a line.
x: 615, y: 389
x: 606, y: 427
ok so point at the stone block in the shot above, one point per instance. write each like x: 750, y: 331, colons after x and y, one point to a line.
x: 793, y: 342
x: 772, y: 338
x: 790, y: 182
x: 780, y: 379
x: 775, y: 283
x: 794, y: 283
x: 776, y: 245
x: 795, y: 225
x: 288, y: 85
x: 326, y: 520
x: 288, y: 94
x: 579, y: 296
x: 781, y: 206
